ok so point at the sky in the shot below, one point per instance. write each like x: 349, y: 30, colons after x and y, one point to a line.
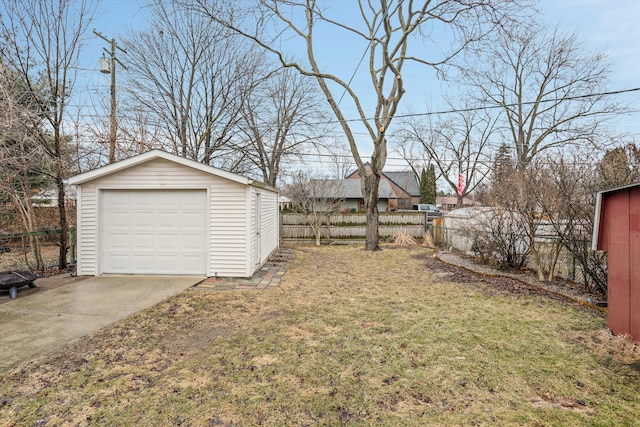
x: 608, y: 25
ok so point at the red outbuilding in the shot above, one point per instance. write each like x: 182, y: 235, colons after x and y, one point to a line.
x: 617, y: 231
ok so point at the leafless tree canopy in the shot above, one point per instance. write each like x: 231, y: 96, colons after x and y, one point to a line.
x: 210, y: 95
x: 548, y: 88
x: 392, y: 34
x: 280, y: 119
x: 40, y: 41
x: 188, y: 75
x: 460, y: 142
x: 315, y: 196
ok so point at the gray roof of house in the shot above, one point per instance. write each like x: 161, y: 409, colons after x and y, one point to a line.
x: 405, y: 180
x: 350, y: 188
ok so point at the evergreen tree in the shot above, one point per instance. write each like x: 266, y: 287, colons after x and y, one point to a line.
x: 503, y: 165
x: 431, y: 190
x: 428, y: 189
x: 424, y: 185
x: 619, y: 166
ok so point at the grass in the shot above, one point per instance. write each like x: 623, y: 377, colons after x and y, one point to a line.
x: 349, y: 337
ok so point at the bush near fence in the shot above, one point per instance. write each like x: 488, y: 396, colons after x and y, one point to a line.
x: 16, y: 253
x: 347, y: 227
x: 351, y: 227
x: 567, y: 266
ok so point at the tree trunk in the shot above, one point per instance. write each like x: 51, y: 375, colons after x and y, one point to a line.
x: 318, y: 234
x: 370, y: 194
x: 64, y: 225
x: 25, y: 206
x: 538, y: 262
x: 554, y: 261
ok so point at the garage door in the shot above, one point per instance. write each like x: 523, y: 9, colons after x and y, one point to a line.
x: 154, y: 232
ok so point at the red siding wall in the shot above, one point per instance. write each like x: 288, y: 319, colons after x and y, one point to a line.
x: 634, y: 261
x: 620, y: 236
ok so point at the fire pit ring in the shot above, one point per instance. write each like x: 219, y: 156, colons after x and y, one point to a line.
x: 13, y: 280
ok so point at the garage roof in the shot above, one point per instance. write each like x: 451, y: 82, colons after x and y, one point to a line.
x: 160, y: 154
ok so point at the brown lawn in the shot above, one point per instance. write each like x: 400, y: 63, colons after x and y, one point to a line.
x: 349, y: 337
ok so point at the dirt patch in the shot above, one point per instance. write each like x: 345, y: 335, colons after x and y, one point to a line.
x: 193, y: 341
x: 495, y: 283
x: 617, y: 347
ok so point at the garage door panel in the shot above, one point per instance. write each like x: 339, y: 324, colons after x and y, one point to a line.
x: 117, y: 241
x: 166, y: 243
x: 192, y: 241
x: 120, y: 261
x: 142, y: 264
x: 141, y: 220
x: 141, y: 246
x: 190, y: 262
x: 154, y: 232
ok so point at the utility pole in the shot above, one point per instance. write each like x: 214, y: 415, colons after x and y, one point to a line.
x: 111, y: 68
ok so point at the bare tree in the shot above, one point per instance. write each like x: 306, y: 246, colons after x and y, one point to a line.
x: 189, y: 76
x: 620, y: 166
x: 413, y: 153
x: 280, y: 118
x: 548, y: 88
x: 21, y: 155
x: 393, y: 34
x: 575, y: 182
x: 459, y: 143
x: 341, y: 163
x: 41, y: 40
x: 314, y: 197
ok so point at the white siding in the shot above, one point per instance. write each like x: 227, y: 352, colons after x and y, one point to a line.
x: 252, y: 258
x: 157, y: 173
x: 87, y: 230
x: 270, y: 224
x: 228, y: 229
x: 231, y: 215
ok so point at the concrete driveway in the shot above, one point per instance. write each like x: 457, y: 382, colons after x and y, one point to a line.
x: 40, y: 323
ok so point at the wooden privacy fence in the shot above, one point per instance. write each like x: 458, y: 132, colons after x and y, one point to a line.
x: 345, y: 227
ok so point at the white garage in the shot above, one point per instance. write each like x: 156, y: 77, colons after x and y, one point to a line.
x: 158, y: 213
x: 154, y: 231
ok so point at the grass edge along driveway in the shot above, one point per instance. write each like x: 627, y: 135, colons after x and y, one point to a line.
x: 349, y: 337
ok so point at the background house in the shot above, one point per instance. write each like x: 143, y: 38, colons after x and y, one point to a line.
x: 158, y: 213
x: 347, y: 194
x: 449, y: 203
x: 617, y: 231
x: 403, y: 184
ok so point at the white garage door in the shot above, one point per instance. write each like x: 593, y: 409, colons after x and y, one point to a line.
x: 154, y: 232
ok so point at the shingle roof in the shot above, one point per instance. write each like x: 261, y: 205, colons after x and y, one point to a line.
x: 405, y: 180
x: 350, y: 188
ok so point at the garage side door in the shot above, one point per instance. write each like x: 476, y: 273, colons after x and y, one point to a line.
x: 154, y: 232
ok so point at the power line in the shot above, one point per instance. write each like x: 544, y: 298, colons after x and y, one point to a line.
x: 493, y: 107
x: 482, y: 107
